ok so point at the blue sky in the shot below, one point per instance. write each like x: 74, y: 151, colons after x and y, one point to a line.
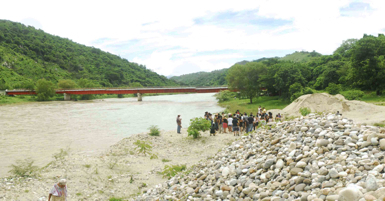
x: 179, y: 37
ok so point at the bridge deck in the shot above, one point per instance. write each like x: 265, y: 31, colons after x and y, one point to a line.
x: 124, y: 91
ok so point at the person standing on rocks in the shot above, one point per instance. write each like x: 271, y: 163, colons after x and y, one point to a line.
x: 220, y: 126
x: 179, y: 123
x: 58, y: 192
x: 224, y: 124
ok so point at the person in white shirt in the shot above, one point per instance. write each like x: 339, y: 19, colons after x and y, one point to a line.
x: 230, y: 123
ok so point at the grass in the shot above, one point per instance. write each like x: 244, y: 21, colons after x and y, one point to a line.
x: 382, y: 124
x: 371, y: 97
x: 165, y: 160
x: 243, y: 105
x: 171, y: 170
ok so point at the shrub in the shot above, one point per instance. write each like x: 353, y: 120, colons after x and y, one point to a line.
x: 225, y: 95
x: 304, y: 111
x: 24, y: 168
x: 353, y: 94
x: 120, y: 96
x: 44, y: 89
x: 308, y: 90
x: 333, y: 88
x: 66, y: 84
x: 197, y: 125
x: 295, y: 91
x: 154, y: 130
x: 143, y: 147
x: 170, y: 171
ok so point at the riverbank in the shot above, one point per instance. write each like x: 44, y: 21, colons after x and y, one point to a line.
x: 119, y: 172
x: 269, y: 102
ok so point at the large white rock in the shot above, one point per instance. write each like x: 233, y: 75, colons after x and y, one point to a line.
x: 225, y: 171
x: 371, y: 183
x: 350, y: 193
x: 279, y: 164
x: 382, y: 144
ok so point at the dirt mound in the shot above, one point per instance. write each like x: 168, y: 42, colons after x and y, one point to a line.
x: 360, y: 112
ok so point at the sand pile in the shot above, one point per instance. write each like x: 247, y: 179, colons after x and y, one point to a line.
x: 359, y: 111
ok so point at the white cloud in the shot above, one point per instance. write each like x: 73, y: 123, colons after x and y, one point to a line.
x: 168, y: 38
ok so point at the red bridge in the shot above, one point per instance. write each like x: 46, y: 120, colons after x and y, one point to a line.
x: 67, y: 93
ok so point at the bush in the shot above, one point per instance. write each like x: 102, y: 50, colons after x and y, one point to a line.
x: 66, y: 84
x: 154, y: 131
x: 295, y: 91
x: 333, y: 88
x: 225, y: 95
x: 143, y: 147
x: 170, y: 171
x: 308, y: 90
x: 197, y: 125
x: 304, y: 111
x: 24, y: 168
x: 353, y: 94
x: 45, y: 89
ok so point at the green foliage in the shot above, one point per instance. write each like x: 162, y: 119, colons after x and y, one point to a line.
x: 308, y: 90
x: 353, y: 94
x: 304, y: 111
x: 45, y: 89
x: 225, y: 95
x: 295, y: 91
x: 197, y: 125
x: 165, y: 160
x: 214, y: 78
x: 302, y: 56
x: 171, y: 170
x: 24, y: 168
x: 333, y: 89
x: 143, y: 147
x: 115, y: 199
x: 28, y: 53
x: 379, y: 124
x: 154, y: 130
x: 66, y: 84
x: 61, y: 155
x: 247, y: 79
x: 154, y: 156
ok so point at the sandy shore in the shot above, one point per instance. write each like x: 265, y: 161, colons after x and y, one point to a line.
x: 109, y: 174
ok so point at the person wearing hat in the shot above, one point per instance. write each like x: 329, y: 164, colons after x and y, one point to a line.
x: 59, y: 191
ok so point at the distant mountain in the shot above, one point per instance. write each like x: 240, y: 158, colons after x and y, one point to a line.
x: 213, y: 78
x: 30, y: 54
x: 218, y: 77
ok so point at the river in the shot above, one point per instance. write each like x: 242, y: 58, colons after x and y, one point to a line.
x: 38, y: 130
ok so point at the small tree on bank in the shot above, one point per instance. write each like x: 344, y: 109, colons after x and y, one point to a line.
x: 66, y: 84
x: 197, y: 125
x: 45, y: 89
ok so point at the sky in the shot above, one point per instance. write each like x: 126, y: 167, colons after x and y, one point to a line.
x: 180, y: 37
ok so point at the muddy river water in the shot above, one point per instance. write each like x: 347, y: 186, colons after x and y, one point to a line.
x: 38, y: 130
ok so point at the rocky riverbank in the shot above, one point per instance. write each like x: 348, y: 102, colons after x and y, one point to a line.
x: 319, y: 157
x: 119, y: 172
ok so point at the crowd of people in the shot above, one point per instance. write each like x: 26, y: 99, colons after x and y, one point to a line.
x: 238, y: 122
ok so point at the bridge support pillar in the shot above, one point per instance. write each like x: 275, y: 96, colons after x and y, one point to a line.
x: 139, y: 97
x: 67, y: 97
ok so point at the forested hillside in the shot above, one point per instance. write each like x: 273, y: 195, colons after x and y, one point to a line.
x: 28, y: 54
x: 213, y: 78
x: 218, y: 77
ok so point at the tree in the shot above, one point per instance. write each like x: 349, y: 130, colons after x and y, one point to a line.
x: 45, y: 89
x: 66, y: 84
x: 346, y: 46
x: 197, y: 125
x: 295, y: 91
x: 368, y: 63
x: 247, y: 78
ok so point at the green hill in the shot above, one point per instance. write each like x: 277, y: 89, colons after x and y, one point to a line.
x: 30, y: 54
x: 302, y: 56
x: 213, y: 78
x: 218, y: 77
